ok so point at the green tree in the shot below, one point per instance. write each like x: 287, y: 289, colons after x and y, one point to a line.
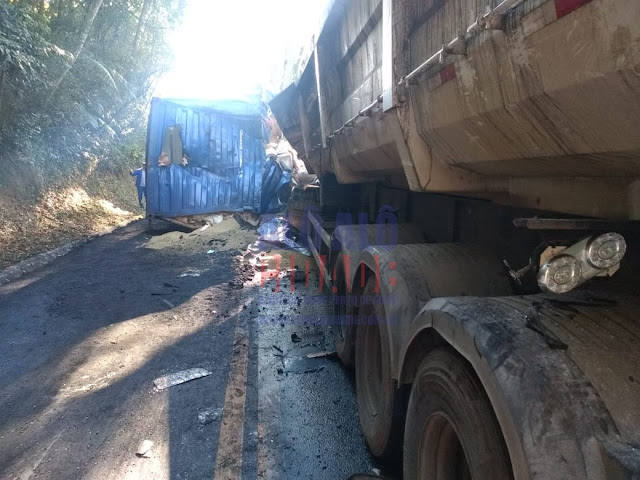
x: 76, y: 78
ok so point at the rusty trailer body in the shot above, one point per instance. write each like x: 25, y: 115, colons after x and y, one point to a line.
x: 504, y: 136
x: 533, y: 103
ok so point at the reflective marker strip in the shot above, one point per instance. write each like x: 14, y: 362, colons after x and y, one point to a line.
x: 448, y: 73
x: 564, y: 7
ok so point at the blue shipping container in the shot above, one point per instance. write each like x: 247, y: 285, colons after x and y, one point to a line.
x: 225, y: 143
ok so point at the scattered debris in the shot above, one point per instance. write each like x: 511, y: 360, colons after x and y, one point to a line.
x: 227, y: 235
x: 299, y: 276
x: 376, y: 471
x: 322, y: 354
x: 189, y: 274
x: 215, y: 218
x: 298, y: 360
x: 209, y: 415
x: 209, y: 252
x: 276, y: 186
x: 296, y: 366
x: 247, y: 219
x: 280, y: 233
x: 295, y: 338
x: 177, y: 378
x: 169, y: 304
x: 166, y: 285
x: 144, y: 449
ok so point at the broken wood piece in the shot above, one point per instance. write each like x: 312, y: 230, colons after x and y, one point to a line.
x: 177, y: 378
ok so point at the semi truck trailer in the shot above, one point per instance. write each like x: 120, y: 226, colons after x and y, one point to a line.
x: 504, y: 138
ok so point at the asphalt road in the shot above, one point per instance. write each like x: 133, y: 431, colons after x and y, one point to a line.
x: 82, y: 340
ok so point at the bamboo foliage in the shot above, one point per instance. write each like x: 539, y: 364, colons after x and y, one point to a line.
x: 82, y: 39
x: 76, y: 75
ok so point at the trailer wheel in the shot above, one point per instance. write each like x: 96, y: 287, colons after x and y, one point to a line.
x: 343, y: 337
x: 451, y: 431
x: 343, y: 331
x: 380, y: 403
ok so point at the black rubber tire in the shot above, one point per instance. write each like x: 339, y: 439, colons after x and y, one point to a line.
x: 344, y: 334
x: 451, y: 431
x: 344, y: 338
x: 381, y: 406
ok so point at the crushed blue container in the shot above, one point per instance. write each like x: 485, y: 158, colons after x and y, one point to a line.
x: 224, y: 141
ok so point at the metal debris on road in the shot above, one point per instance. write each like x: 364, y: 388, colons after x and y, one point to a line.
x: 209, y: 415
x: 324, y: 353
x: 299, y: 276
x: 177, y: 378
x: 278, y: 232
x: 144, y: 449
x: 301, y: 360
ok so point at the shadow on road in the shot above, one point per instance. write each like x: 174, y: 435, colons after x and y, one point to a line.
x: 81, y: 342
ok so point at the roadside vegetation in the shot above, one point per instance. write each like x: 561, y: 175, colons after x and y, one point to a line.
x: 76, y: 77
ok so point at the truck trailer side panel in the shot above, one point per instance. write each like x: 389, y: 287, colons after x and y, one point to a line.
x: 536, y: 104
x: 224, y: 145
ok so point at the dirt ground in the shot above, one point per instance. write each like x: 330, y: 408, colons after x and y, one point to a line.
x: 29, y: 226
x: 83, y: 339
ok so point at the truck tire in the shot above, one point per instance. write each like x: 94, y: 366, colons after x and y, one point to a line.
x: 344, y: 336
x: 451, y: 431
x: 380, y: 403
x: 344, y: 332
